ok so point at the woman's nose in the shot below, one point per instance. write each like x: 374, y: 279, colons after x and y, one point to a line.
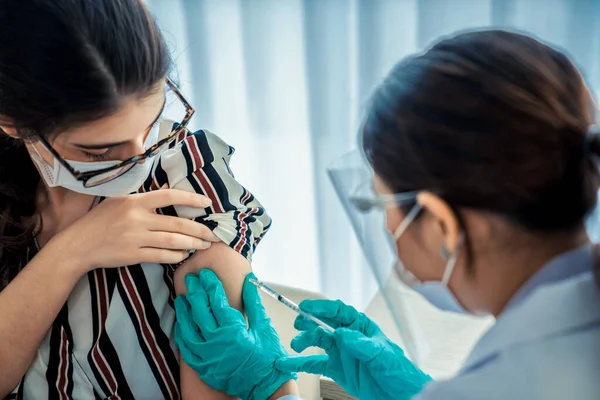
x: 138, y: 149
x: 139, y: 145
x: 133, y: 149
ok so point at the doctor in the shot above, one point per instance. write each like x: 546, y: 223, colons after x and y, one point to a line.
x: 484, y: 158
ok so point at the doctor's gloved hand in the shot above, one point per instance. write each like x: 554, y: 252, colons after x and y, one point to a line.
x: 215, y: 341
x: 360, y: 358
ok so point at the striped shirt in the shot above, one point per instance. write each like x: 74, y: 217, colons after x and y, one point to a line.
x: 113, y: 338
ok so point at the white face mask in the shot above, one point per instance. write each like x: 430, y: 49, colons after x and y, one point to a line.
x: 127, y: 183
x: 437, y: 293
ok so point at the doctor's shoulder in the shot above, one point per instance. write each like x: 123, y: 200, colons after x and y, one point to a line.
x: 549, y: 349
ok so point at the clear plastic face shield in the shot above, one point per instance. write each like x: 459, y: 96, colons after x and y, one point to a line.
x: 422, y: 330
x: 353, y: 182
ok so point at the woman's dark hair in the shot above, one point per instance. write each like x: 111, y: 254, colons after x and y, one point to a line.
x: 62, y: 63
x: 494, y: 121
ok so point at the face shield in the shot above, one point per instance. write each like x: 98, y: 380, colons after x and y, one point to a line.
x: 437, y: 341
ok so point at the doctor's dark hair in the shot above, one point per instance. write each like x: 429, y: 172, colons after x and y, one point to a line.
x: 493, y: 121
x: 63, y: 63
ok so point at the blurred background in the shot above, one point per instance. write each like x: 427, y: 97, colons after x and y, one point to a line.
x: 286, y: 81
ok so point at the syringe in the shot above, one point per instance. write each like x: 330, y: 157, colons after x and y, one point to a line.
x: 288, y: 303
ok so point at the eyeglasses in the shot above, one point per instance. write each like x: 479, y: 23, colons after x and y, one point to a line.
x: 365, y: 199
x: 98, y: 177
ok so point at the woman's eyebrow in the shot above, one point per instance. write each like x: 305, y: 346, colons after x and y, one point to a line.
x: 115, y: 144
x: 100, y: 146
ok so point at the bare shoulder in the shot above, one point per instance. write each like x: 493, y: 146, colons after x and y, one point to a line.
x: 229, y: 265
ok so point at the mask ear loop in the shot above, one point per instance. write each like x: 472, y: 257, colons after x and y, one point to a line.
x: 35, y: 148
x: 410, y: 217
x: 452, y: 261
x: 42, y: 163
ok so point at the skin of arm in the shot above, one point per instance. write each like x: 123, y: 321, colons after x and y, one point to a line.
x: 29, y: 306
x: 231, y: 268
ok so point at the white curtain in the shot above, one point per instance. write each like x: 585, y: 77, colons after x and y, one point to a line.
x: 286, y: 82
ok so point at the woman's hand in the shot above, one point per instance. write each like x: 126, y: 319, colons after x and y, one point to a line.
x: 228, y: 355
x: 360, y: 358
x: 127, y: 230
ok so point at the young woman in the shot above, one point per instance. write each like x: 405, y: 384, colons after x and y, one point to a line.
x: 88, y: 273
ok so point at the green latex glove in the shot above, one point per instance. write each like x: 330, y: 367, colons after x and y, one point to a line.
x: 214, y: 340
x: 360, y: 358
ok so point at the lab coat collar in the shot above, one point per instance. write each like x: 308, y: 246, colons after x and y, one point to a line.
x: 562, y: 267
x: 555, y: 300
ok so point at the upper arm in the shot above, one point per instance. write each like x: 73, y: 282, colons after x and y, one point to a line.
x: 231, y: 268
x: 227, y: 264
x: 200, y: 163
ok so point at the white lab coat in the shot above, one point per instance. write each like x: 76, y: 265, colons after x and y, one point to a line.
x: 545, y: 346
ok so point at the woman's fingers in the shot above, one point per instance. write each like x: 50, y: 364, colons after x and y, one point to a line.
x: 161, y: 256
x: 184, y: 226
x: 173, y: 197
x: 174, y: 241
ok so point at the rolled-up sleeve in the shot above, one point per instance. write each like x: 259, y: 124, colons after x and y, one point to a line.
x: 199, y: 163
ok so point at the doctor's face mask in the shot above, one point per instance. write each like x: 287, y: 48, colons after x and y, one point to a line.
x: 436, y: 292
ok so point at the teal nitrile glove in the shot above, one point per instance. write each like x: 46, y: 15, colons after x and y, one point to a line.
x: 360, y: 358
x: 214, y: 340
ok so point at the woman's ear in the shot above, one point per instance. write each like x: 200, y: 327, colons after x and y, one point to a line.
x: 7, y: 127
x: 445, y: 220
x: 12, y: 132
